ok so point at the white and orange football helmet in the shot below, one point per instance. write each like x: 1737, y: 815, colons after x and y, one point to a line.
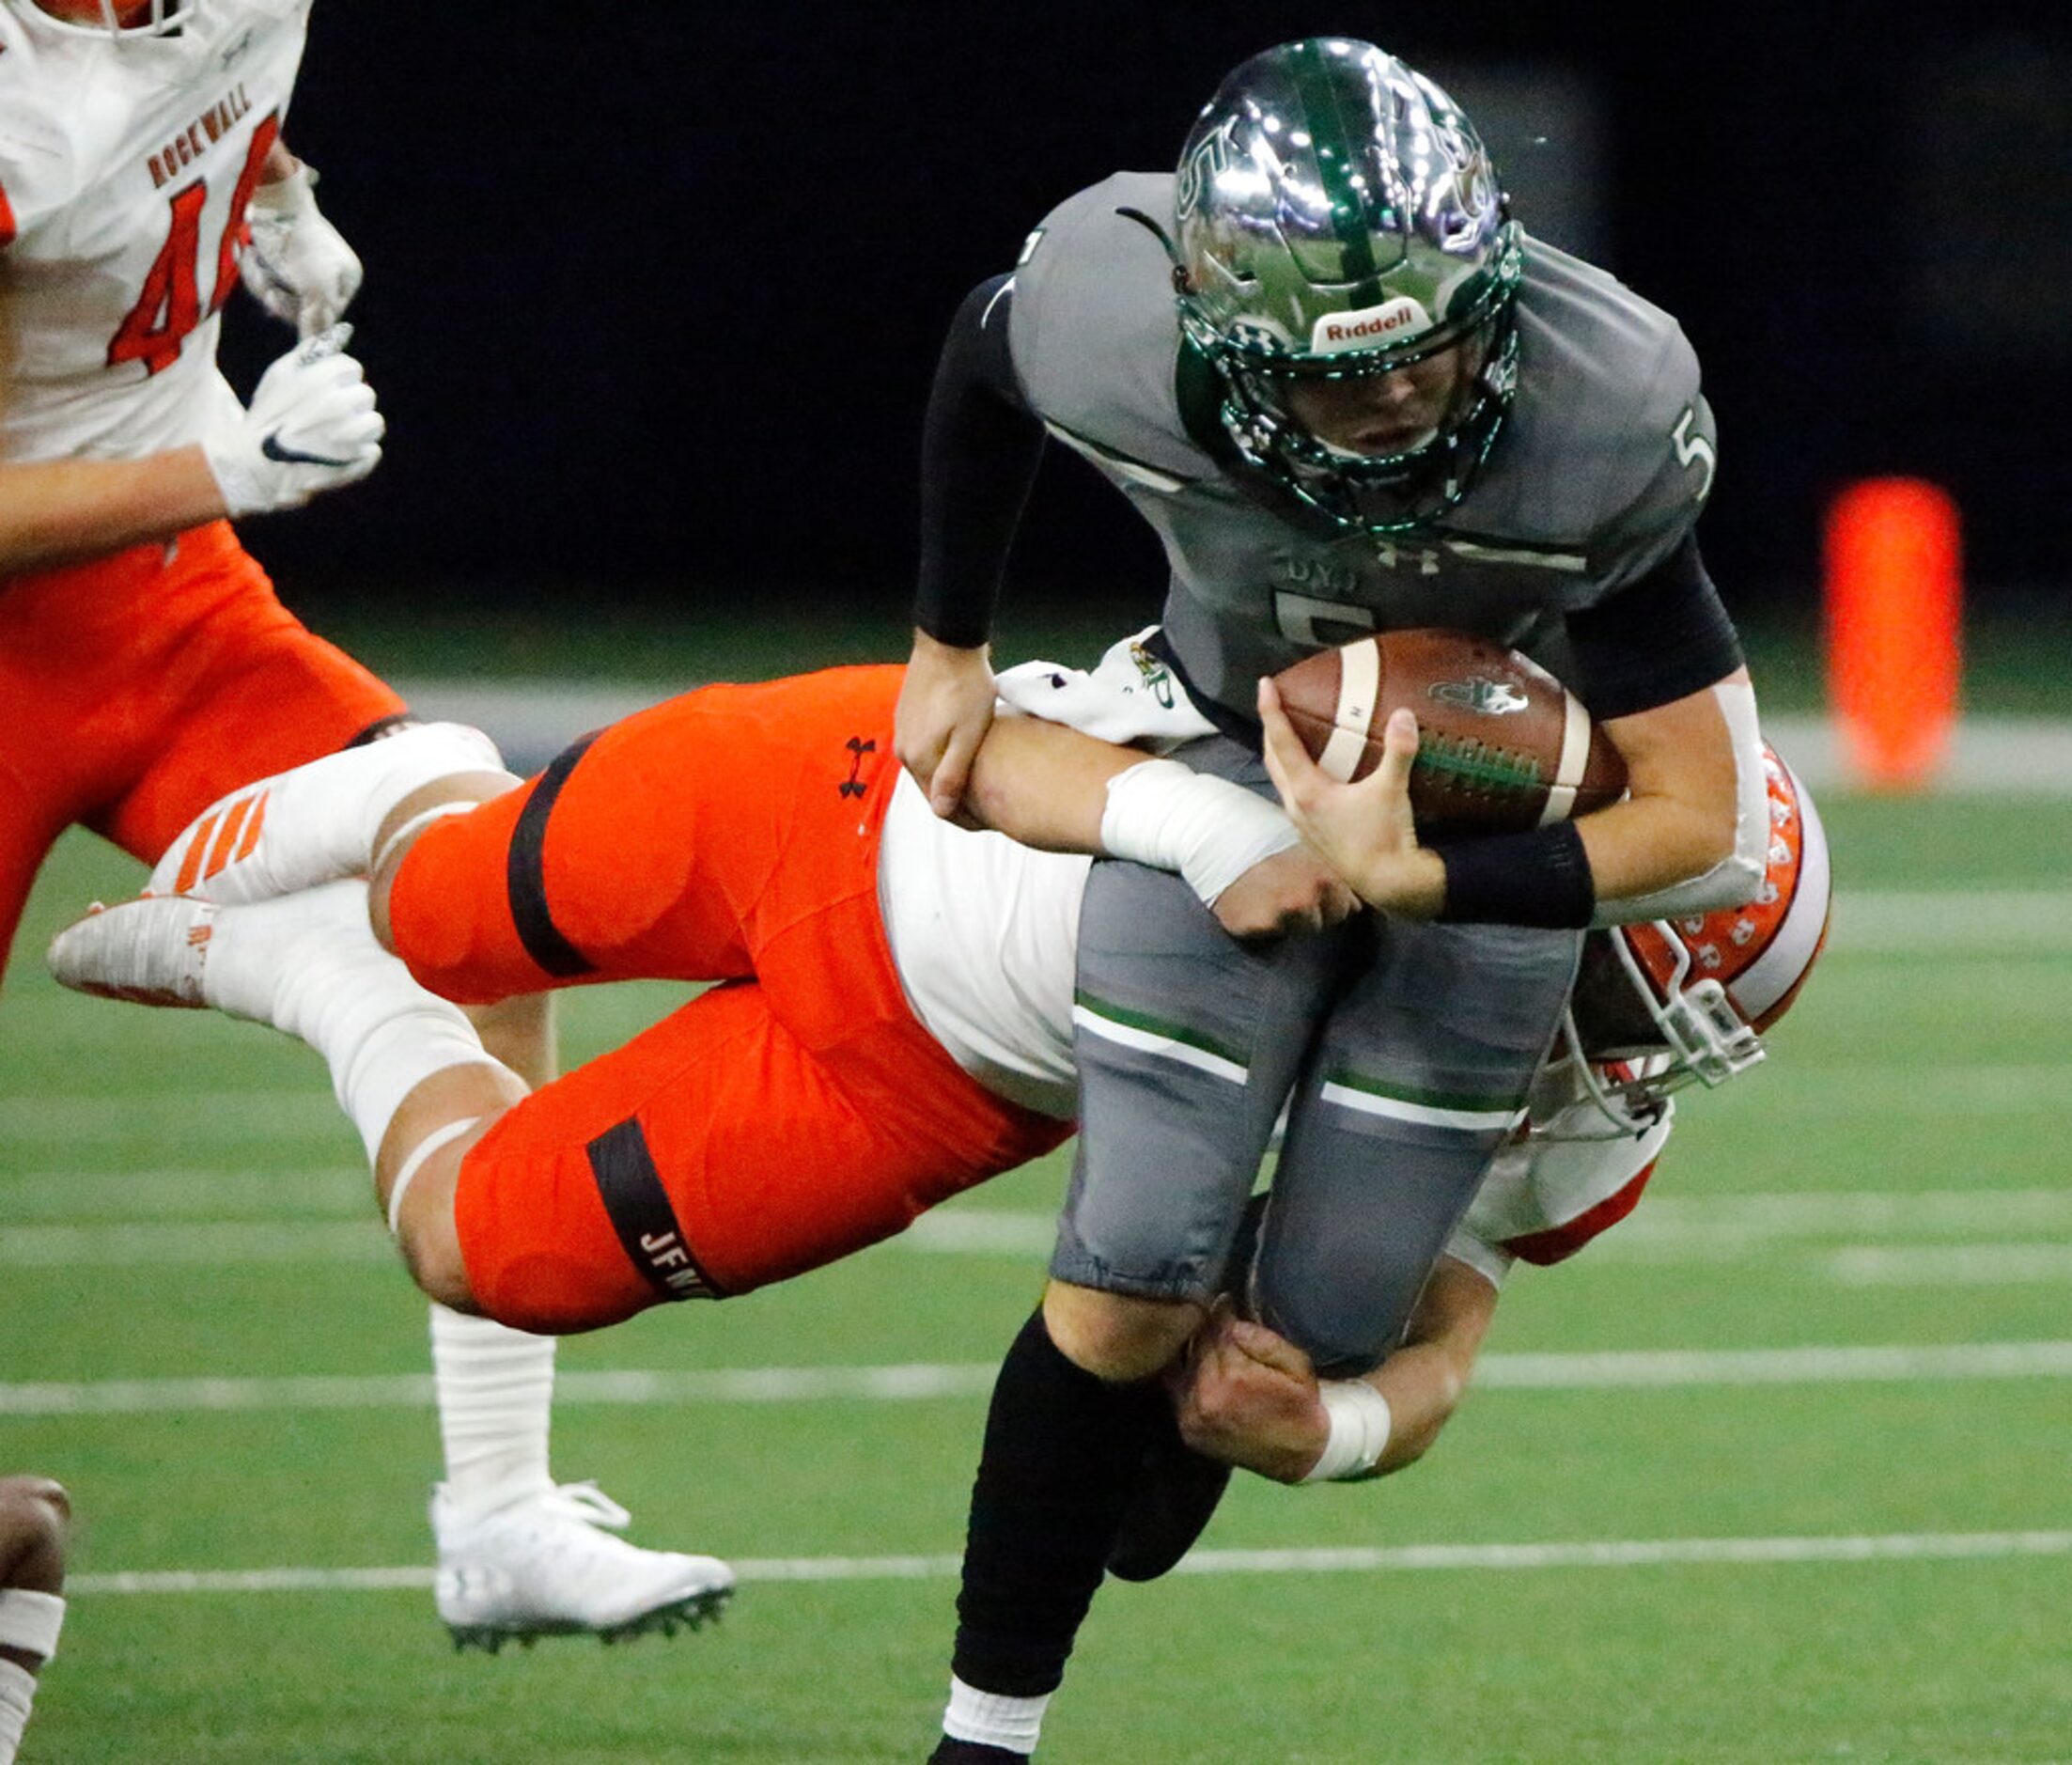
x: 116, y: 18
x: 1662, y: 1003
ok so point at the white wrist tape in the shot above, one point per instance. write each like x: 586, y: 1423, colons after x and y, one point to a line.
x: 1360, y: 1424
x: 30, y: 1620
x: 1211, y: 831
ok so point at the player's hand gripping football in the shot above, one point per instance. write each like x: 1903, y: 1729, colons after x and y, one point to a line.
x: 297, y: 265
x: 945, y: 707
x: 312, y: 426
x: 1363, y: 830
x: 1249, y: 1398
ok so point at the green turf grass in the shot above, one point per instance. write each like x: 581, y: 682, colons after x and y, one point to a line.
x: 1907, y: 1075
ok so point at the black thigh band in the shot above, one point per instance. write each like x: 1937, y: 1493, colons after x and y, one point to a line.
x: 638, y: 1207
x: 525, y: 880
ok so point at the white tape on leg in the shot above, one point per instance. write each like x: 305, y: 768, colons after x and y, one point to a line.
x: 416, y: 1162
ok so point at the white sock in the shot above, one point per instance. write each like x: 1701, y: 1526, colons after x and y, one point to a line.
x: 318, y: 823
x: 309, y: 965
x: 990, y: 1719
x: 495, y: 1387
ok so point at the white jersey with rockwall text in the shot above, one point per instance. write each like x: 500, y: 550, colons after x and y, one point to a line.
x: 125, y: 168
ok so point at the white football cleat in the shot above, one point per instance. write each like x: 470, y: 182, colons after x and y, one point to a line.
x: 545, y: 1567
x: 317, y: 823
x: 173, y: 950
x: 150, y: 952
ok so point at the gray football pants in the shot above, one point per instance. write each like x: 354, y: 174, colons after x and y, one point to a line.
x: 1404, y: 1053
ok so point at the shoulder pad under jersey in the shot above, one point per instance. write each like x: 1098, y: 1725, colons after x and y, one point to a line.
x: 1609, y: 445
x: 1095, y: 330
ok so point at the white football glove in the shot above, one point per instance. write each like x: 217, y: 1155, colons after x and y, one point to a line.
x: 298, y: 266
x: 312, y: 426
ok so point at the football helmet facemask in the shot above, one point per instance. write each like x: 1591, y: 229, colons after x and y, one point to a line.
x: 151, y: 18
x: 1662, y: 1003
x: 1338, y: 218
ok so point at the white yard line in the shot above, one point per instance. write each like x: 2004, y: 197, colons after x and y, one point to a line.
x: 1904, y: 1547
x: 1632, y: 1368
x: 91, y: 1121
x: 94, y: 1117
x: 1710, y: 1230
x: 1796, y: 1214
x: 214, y: 1194
x: 1932, y: 924
x: 213, y: 1244
x: 1950, y: 1265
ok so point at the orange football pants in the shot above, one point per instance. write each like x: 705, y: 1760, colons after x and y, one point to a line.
x: 790, y: 1115
x: 139, y: 688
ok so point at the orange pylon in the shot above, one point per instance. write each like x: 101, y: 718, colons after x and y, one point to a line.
x: 1893, y: 606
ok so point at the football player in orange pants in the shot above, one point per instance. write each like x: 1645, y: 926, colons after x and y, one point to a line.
x: 891, y: 1024
x: 891, y: 1018
x: 145, y: 661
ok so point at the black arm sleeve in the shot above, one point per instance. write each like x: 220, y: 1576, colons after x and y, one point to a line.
x: 979, y: 449
x: 1658, y: 639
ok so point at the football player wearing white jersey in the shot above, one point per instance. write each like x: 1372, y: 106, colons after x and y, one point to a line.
x: 895, y: 1023
x: 145, y: 661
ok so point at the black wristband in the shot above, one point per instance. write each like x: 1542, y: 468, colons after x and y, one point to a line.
x: 1537, y: 878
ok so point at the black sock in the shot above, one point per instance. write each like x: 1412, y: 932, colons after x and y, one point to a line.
x: 1062, y: 1453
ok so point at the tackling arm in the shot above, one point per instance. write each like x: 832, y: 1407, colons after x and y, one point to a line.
x: 1054, y: 788
x: 1248, y: 1396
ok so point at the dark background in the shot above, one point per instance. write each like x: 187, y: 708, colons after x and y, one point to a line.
x: 654, y: 291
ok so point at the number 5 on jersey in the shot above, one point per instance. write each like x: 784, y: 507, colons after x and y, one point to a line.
x: 169, y: 305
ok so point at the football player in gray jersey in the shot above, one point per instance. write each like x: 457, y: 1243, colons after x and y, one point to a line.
x: 1351, y: 395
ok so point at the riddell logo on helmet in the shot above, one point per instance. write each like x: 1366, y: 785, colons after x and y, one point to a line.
x: 1403, y: 317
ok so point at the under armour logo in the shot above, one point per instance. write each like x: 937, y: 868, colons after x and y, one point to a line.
x: 852, y: 786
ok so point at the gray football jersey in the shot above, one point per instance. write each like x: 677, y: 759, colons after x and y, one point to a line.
x: 1600, y: 469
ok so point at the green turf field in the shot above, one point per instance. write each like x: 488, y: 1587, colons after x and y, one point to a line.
x: 1686, y: 1515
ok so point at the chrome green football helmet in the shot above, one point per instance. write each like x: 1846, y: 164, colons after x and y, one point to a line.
x: 1339, y: 218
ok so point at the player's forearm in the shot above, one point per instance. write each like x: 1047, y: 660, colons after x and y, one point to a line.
x: 1045, y: 785
x: 65, y: 511
x: 1423, y: 1379
x: 1424, y: 1387
x: 1694, y: 813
